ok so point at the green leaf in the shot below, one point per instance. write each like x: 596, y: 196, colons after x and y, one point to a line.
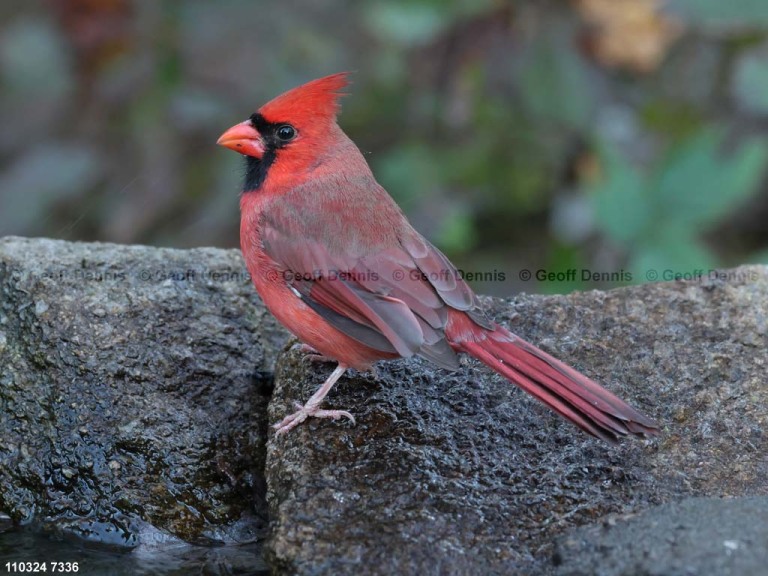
x: 621, y: 202
x: 699, y: 184
x: 751, y: 82
x: 555, y: 82
x: 408, y: 172
x: 457, y: 232
x: 670, y: 255
x: 406, y: 24
x: 563, y: 258
x: 32, y: 56
x: 722, y: 13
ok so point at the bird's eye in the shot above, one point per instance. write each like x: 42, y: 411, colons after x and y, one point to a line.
x: 286, y: 132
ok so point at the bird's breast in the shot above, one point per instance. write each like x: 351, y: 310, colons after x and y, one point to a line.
x: 271, y: 281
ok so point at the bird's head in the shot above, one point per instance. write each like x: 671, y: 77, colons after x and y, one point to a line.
x: 289, y: 133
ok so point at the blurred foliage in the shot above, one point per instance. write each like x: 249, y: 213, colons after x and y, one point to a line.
x: 658, y: 215
x: 606, y: 135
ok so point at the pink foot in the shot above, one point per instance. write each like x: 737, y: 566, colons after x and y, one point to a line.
x: 304, y: 412
x: 312, y: 407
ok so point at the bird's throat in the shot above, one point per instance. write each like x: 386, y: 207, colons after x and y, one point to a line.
x: 256, y: 170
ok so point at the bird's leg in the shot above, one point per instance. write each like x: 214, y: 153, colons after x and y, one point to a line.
x: 310, y: 354
x: 311, y: 408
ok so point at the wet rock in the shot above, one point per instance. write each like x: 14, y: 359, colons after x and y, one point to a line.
x: 461, y: 473
x: 133, y: 389
x: 701, y: 536
x: 135, y: 381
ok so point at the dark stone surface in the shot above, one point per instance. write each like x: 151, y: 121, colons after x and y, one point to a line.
x: 133, y: 389
x: 698, y: 536
x: 464, y: 474
x: 134, y: 385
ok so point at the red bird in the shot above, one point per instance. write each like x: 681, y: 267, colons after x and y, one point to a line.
x: 338, y: 264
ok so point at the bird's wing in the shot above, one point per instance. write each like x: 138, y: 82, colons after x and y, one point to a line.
x: 394, y: 298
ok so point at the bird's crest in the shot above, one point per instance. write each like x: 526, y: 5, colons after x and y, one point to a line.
x: 318, y: 99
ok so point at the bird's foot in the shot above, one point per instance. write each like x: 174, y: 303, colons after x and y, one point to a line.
x: 312, y: 407
x: 306, y: 411
x: 311, y: 355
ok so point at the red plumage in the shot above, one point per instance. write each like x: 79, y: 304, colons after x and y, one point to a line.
x: 314, y: 101
x: 338, y: 264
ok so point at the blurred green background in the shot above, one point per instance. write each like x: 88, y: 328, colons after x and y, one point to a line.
x: 615, y: 136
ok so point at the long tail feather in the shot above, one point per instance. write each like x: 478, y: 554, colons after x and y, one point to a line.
x: 569, y: 393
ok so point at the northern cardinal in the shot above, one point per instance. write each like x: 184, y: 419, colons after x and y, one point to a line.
x: 338, y: 264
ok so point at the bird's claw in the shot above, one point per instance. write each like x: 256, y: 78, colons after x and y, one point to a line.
x: 310, y: 354
x: 304, y: 412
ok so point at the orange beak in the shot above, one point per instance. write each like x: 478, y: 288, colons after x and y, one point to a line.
x: 243, y: 138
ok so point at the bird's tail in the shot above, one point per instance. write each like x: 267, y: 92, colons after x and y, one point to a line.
x: 569, y: 393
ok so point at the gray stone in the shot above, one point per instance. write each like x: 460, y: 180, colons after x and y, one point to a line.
x: 133, y: 391
x: 461, y: 473
x: 134, y: 385
x: 695, y: 537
